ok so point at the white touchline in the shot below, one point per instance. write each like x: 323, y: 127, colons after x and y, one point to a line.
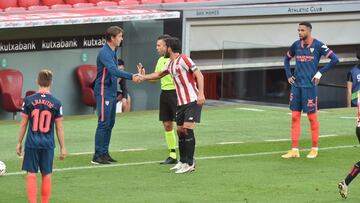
x: 121, y: 150
x: 277, y: 140
x: 348, y: 117
x: 286, y: 139
x: 329, y: 135
x: 250, y: 109
x: 198, y: 158
x: 223, y: 143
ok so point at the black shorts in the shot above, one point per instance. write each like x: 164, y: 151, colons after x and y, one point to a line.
x: 167, y: 105
x: 190, y: 112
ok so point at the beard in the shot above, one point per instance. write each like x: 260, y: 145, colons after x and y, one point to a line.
x: 167, y: 54
x: 304, y: 38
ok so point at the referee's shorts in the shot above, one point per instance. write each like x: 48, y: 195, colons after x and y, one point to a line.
x: 168, y: 102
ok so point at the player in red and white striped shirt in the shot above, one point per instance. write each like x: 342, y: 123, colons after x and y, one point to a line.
x: 189, y: 83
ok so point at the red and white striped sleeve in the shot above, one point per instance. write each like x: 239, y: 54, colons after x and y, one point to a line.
x: 187, y: 63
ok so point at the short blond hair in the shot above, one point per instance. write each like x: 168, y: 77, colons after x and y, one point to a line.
x: 45, y: 78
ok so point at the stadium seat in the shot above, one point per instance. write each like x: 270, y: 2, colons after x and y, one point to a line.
x: 14, y: 9
x: 174, y: 1
x: 151, y: 1
x: 75, y: 1
x: 11, y: 84
x: 86, y: 75
x: 95, y: 1
x: 106, y: 3
x: 37, y: 8
x: 128, y: 2
x: 27, y: 3
x: 61, y: 6
x: 8, y: 3
x: 29, y: 93
x: 83, y: 5
x: 52, y: 2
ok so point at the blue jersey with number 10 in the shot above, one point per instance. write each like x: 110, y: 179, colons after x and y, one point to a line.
x: 307, y: 60
x: 42, y: 109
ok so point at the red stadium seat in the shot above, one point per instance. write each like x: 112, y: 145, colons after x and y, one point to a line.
x: 37, y: 8
x: 8, y: 3
x: 151, y: 1
x: 75, y: 1
x: 95, y: 1
x: 83, y: 5
x: 195, y: 0
x: 128, y: 2
x: 174, y: 1
x: 27, y: 3
x: 52, y: 2
x: 14, y: 9
x: 106, y: 3
x: 11, y: 84
x: 86, y: 75
x: 61, y: 6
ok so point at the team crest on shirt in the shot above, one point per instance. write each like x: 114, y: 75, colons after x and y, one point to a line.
x: 311, y: 103
x: 311, y: 50
x: 107, y: 103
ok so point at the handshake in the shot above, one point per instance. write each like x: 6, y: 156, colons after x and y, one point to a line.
x: 140, y: 76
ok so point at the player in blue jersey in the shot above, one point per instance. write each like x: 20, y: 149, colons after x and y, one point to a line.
x: 353, y: 86
x: 42, y: 113
x: 353, y: 83
x: 106, y: 92
x: 307, y: 52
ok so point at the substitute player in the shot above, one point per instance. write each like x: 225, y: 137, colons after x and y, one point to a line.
x: 40, y: 112
x: 190, y: 98
x: 353, y: 85
x: 307, y: 52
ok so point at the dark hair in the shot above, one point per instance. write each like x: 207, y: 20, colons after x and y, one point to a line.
x: 121, y: 62
x: 164, y: 36
x: 174, y: 44
x: 112, y: 32
x: 44, y: 78
x: 307, y: 24
x: 357, y: 51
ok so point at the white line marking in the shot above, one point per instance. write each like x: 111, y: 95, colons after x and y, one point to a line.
x: 348, y: 117
x: 251, y: 109
x: 277, y: 140
x: 329, y: 135
x: 122, y: 150
x: 224, y: 143
x: 280, y: 140
x: 199, y: 158
x: 322, y: 111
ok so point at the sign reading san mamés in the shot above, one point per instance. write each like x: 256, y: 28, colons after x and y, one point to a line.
x: 52, y: 44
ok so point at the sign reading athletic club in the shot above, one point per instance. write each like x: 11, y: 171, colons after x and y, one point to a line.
x: 52, y: 44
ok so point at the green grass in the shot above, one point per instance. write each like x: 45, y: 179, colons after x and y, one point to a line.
x: 249, y: 172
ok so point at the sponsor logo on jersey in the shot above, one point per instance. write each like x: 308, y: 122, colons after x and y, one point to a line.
x: 325, y: 47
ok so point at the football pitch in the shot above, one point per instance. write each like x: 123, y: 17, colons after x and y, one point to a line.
x: 237, y: 160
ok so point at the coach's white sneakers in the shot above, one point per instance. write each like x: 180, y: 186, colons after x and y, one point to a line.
x: 343, y: 189
x: 177, y: 166
x: 185, y: 168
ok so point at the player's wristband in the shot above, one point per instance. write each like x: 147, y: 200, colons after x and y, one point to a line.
x: 318, y: 75
x: 354, y: 95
